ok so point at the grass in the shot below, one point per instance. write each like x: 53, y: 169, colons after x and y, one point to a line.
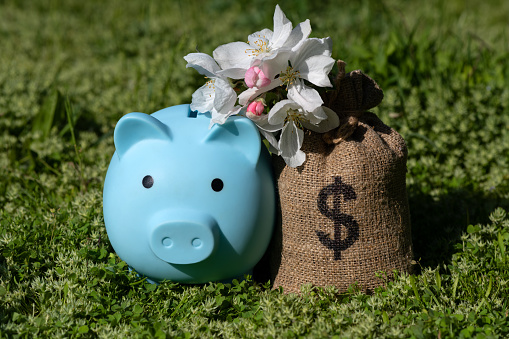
x: 68, y: 72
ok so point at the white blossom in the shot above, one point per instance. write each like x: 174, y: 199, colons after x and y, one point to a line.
x: 293, y: 118
x: 236, y: 58
x: 284, y: 62
x: 217, y: 95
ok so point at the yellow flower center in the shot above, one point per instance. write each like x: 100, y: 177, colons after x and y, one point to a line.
x: 289, y: 76
x: 261, y: 47
x: 295, y: 116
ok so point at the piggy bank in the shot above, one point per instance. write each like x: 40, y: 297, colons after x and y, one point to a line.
x: 185, y: 202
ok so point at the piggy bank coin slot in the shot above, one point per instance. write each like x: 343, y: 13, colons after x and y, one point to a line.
x: 192, y: 114
x: 147, y: 181
x: 217, y: 185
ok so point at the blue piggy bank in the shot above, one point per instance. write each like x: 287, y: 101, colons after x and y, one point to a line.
x: 185, y: 202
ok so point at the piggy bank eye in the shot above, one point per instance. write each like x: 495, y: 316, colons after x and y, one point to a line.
x: 147, y: 181
x: 217, y: 185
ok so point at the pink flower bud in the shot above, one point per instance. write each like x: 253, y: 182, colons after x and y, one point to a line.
x: 256, y: 107
x: 255, y: 78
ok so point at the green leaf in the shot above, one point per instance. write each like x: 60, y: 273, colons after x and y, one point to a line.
x: 460, y: 317
x: 438, y: 280
x: 385, y: 317
x: 150, y: 287
x: 49, y: 113
x: 137, y: 309
x: 414, y: 288
x: 490, y: 285
x: 83, y: 329
x: 501, y: 246
x: 472, y: 229
x: 66, y: 290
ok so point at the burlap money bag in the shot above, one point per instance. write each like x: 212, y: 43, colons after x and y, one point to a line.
x: 344, y: 212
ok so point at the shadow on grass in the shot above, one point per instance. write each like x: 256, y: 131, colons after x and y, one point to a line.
x: 439, y: 222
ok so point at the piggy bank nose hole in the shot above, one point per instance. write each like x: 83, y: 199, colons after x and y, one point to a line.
x: 217, y: 185
x: 196, y: 242
x: 167, y: 242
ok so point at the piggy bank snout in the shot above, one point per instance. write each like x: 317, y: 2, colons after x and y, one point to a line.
x: 184, y: 240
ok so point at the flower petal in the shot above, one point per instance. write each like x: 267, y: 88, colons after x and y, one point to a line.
x: 221, y: 117
x: 260, y: 38
x: 290, y: 143
x: 311, y: 47
x: 316, y: 70
x: 225, y: 96
x: 305, y: 96
x: 233, y: 55
x: 325, y: 125
x: 251, y: 93
x: 251, y: 77
x: 248, y: 95
x: 279, y: 17
x: 282, y: 29
x: 203, y: 98
x: 298, y: 35
x: 279, y: 112
x: 274, y: 64
x: 316, y: 116
x: 203, y: 63
x: 232, y: 73
x: 263, y: 123
x: 273, y: 143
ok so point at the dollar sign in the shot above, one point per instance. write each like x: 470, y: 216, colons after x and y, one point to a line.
x: 337, y: 189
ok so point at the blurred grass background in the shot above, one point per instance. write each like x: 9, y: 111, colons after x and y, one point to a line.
x: 69, y: 70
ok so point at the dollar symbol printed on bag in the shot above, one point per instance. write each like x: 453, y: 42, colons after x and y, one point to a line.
x: 336, y: 190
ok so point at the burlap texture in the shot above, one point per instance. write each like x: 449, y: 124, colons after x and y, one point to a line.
x: 344, y: 212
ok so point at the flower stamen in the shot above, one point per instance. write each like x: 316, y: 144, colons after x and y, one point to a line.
x: 211, y: 84
x: 262, y: 47
x: 296, y: 116
x: 289, y: 76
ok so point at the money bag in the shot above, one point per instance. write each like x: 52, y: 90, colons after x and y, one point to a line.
x: 344, y: 213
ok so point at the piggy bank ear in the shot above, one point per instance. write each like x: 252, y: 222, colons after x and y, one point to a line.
x: 239, y: 133
x: 134, y: 127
